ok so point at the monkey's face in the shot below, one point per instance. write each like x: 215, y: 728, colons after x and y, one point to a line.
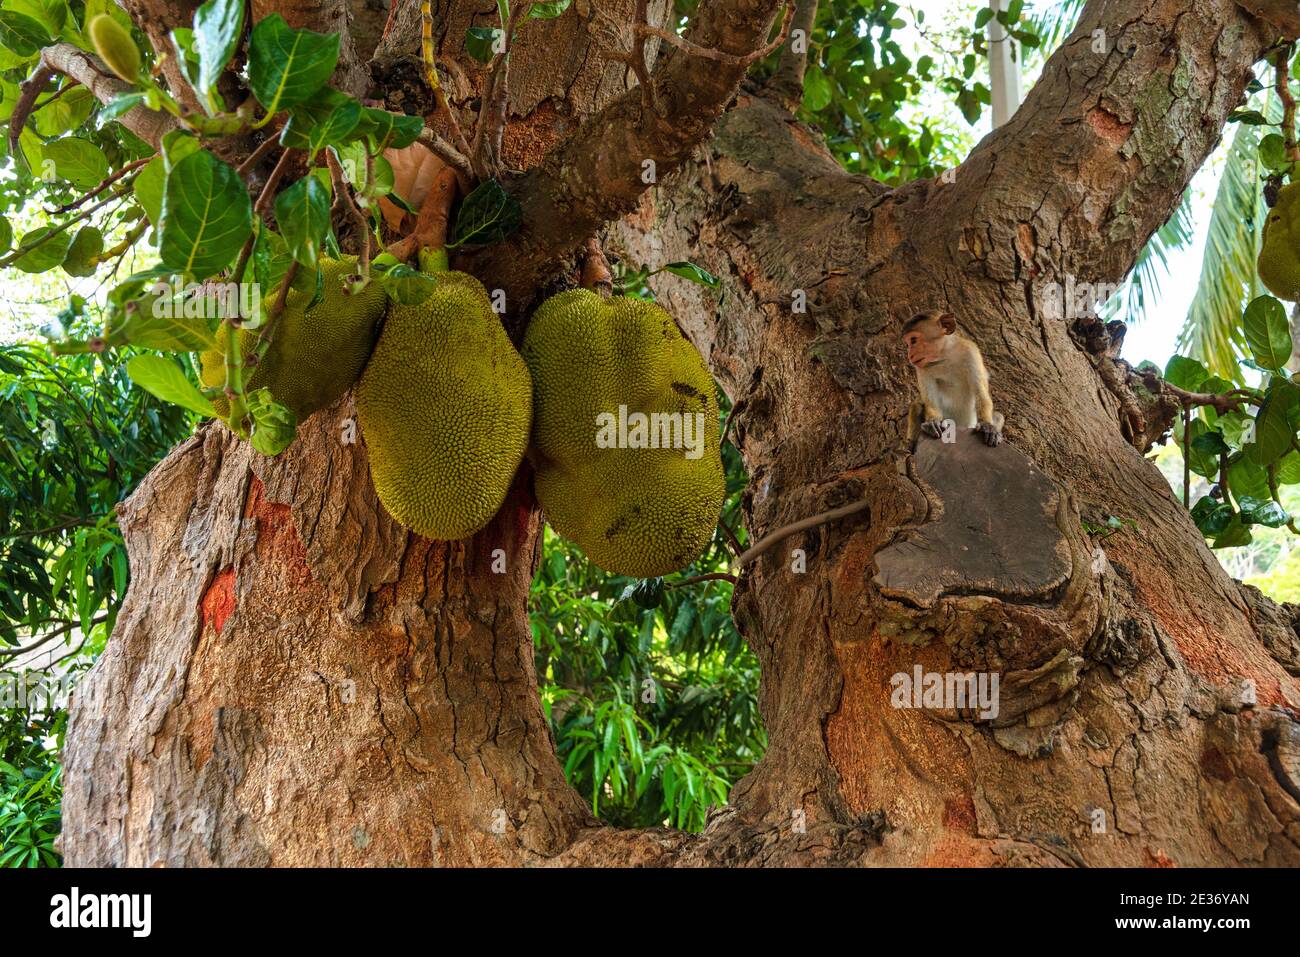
x: 926, y: 344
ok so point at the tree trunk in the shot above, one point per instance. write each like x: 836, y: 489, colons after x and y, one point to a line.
x: 296, y: 680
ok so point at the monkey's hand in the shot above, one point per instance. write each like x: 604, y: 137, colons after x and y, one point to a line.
x: 932, y: 428
x: 989, y: 433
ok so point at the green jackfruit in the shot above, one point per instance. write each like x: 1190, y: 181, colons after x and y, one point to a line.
x: 639, y: 493
x: 315, y: 354
x: 115, y: 47
x: 1279, y: 256
x: 445, y: 405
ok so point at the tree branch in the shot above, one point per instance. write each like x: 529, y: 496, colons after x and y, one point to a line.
x: 453, y: 157
x: 88, y: 70
x: 600, y: 173
x: 1100, y: 152
x: 1282, y: 85
x: 485, y: 153
x: 1283, y: 15
x: 786, y: 80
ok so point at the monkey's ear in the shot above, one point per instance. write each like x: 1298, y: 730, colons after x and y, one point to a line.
x: 949, y: 323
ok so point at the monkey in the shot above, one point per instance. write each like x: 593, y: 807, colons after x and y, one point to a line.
x: 953, y: 381
x: 954, y: 385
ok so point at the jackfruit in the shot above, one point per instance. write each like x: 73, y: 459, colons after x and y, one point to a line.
x: 625, y: 437
x: 445, y: 405
x: 315, y: 354
x: 1279, y: 255
x: 113, y: 43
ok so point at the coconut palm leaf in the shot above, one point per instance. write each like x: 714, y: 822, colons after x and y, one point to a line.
x: 1212, y: 331
x: 1054, y: 23
x: 1142, y: 284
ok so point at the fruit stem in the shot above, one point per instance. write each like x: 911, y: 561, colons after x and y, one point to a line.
x: 1282, y: 85
x: 430, y: 232
x: 595, y: 269
x: 234, y: 376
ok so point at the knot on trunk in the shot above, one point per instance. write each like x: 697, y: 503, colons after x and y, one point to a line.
x: 998, y: 568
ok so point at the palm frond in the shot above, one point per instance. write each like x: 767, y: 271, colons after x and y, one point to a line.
x: 1212, y: 331
x: 1142, y: 284
x: 1054, y: 23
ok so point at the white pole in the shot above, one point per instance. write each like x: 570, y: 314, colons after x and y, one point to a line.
x: 1004, y: 70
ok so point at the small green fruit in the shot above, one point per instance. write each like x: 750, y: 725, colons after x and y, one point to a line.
x: 115, y: 47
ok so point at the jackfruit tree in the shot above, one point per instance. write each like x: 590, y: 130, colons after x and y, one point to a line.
x: 415, y: 284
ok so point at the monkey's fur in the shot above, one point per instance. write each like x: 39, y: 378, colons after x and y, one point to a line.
x: 952, y: 379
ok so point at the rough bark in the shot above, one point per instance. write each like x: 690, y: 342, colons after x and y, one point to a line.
x: 214, y: 728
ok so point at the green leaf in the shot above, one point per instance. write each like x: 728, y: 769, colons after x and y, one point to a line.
x: 51, y: 14
x: 648, y: 593
x: 48, y: 254
x: 163, y: 378
x: 66, y: 113
x: 1249, y: 117
x: 271, y: 260
x: 1185, y: 373
x: 1228, y: 276
x: 694, y: 273
x: 206, y: 216
x: 149, y: 186
x: 151, y: 315
x: 21, y: 34
x: 1211, y: 443
x: 274, y: 425
x: 120, y: 105
x: 1288, y: 469
x: 1262, y: 512
x: 479, y: 42
x: 1211, y: 516
x: 1272, y: 152
x: 487, y: 215
x: 1267, y: 332
x: 326, y: 120
x: 1247, y: 480
x: 6, y: 235
x: 303, y: 212
x: 384, y: 129
x: 817, y: 91
x: 77, y: 161
x: 186, y: 55
x: 1199, y: 460
x: 218, y: 25
x: 404, y: 284
x: 85, y: 246
x: 969, y: 104
x: 548, y: 11
x: 177, y: 145
x: 1234, y: 534
x: 1274, y: 422
x: 287, y: 66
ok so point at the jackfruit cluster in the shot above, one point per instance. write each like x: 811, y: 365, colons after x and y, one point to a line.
x: 1279, y: 255
x: 445, y: 405
x: 640, y: 494
x: 316, y: 353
